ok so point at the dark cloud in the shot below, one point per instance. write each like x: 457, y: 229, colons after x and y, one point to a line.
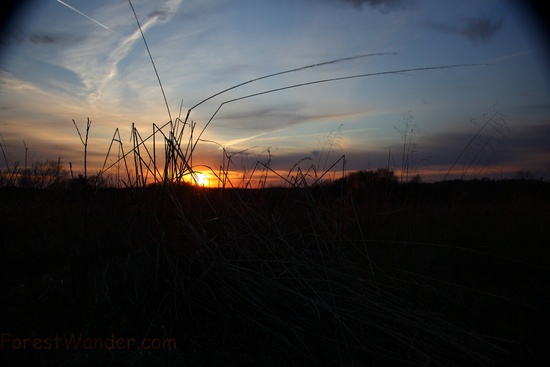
x: 53, y: 39
x: 539, y: 106
x: 384, y: 5
x: 161, y: 14
x: 18, y: 36
x: 481, y: 29
x: 532, y: 137
x: 44, y: 39
x: 285, y: 162
x: 489, y: 148
x: 446, y: 148
x: 477, y: 30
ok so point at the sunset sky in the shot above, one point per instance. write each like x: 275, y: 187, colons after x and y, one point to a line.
x: 74, y: 59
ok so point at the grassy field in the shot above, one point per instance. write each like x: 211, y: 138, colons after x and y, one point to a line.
x: 355, y: 272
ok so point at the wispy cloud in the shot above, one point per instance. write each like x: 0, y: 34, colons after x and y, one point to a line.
x: 97, y: 60
x: 513, y: 56
x: 235, y: 142
x: 264, y: 118
x: 124, y: 47
x: 41, y: 99
x: 35, y: 114
x: 9, y: 83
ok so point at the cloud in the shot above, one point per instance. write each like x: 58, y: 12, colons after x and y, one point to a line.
x: 43, y: 39
x: 384, y: 5
x: 11, y: 84
x: 17, y: 36
x: 531, y: 137
x: 262, y: 118
x: 513, y: 56
x: 477, y: 30
x: 165, y: 13
x: 97, y: 60
x: 159, y: 14
x: 481, y: 29
x: 535, y: 106
x: 489, y: 149
x: 245, y: 139
x: 51, y: 39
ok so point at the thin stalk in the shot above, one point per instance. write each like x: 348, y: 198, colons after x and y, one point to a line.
x: 4, y: 154
x: 25, y: 173
x: 85, y: 143
x: 152, y: 62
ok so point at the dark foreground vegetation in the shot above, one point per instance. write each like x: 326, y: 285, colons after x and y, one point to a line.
x: 354, y: 273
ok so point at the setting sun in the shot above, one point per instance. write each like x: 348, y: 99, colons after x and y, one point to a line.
x: 200, y: 179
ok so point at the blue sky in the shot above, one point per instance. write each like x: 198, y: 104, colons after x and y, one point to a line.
x: 76, y: 59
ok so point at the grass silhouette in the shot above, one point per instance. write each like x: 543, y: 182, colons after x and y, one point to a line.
x: 403, y: 273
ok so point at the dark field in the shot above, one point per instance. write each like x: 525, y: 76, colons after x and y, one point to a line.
x: 374, y: 273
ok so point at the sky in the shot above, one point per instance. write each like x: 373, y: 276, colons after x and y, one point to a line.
x: 444, y: 89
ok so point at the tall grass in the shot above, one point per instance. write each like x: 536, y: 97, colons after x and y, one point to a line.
x: 179, y: 139
x: 283, y: 276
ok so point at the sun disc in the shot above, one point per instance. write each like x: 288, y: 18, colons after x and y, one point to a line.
x: 201, y: 179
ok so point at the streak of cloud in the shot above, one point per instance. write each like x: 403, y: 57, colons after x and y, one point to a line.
x: 262, y: 118
x: 9, y: 83
x: 245, y: 139
x: 84, y: 15
x: 512, y: 56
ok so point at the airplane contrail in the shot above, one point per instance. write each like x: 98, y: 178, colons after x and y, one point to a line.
x: 84, y: 15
